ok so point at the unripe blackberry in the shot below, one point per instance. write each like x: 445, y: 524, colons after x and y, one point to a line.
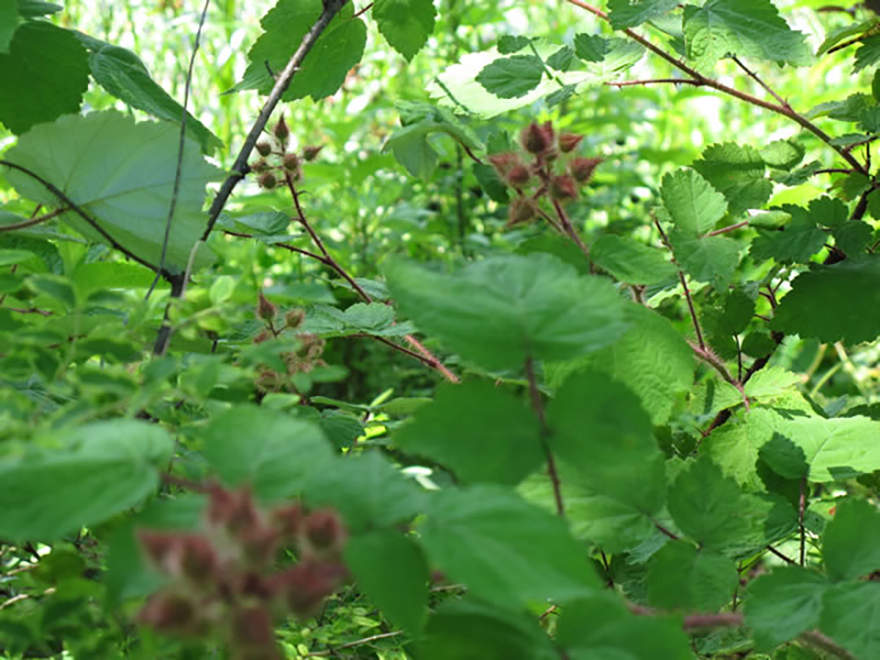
x: 519, y: 175
x: 568, y: 142
x: 264, y: 148
x: 281, y: 131
x: 311, y: 152
x: 268, y: 181
x: 563, y: 188
x: 582, y: 169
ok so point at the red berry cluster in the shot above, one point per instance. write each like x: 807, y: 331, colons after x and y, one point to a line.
x: 276, y: 164
x: 546, y: 172
x: 223, y: 579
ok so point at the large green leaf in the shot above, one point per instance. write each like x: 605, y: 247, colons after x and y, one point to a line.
x: 9, y: 22
x: 783, y: 604
x: 711, y: 259
x: 651, y: 358
x: 101, y: 469
x: 272, y: 452
x: 122, y: 74
x: 693, y: 204
x: 630, y: 261
x: 392, y: 571
x: 601, y: 628
x: 834, y: 449
x: 468, y: 629
x: 44, y: 76
x: 851, y: 616
x: 405, y: 24
x: 502, y: 310
x: 504, y: 550
x: 479, y: 431
x: 600, y: 429
x: 747, y: 28
x: 848, y: 293
x: 367, y: 490
x: 681, y: 576
x: 851, y: 544
x: 122, y: 174
x: 796, y: 243
x: 737, y: 172
x: 630, y: 13
x: 512, y: 77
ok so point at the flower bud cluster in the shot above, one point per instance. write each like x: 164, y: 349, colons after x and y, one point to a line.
x: 541, y: 165
x: 224, y: 581
x: 275, y: 162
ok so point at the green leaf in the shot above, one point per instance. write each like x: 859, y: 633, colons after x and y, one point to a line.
x: 848, y: 293
x: 502, y: 310
x: 9, y: 22
x: 711, y: 259
x: 562, y: 59
x: 601, y: 628
x: 783, y: 604
x: 771, y: 382
x: 795, y: 243
x: 102, y: 469
x: 835, y: 449
x: 693, y: 204
x: 367, y: 490
x: 511, y: 44
x: 122, y: 74
x: 335, y: 53
x: 405, y: 24
x: 512, y: 77
x: 392, y: 572
x: 736, y: 171
x: 504, y: 550
x: 37, y: 8
x: 867, y: 54
x: 853, y: 237
x: 851, y: 617
x: 270, y: 451
x: 631, y: 13
x: 749, y: 28
x: 709, y: 507
x: 468, y: 629
x: 682, y: 577
x: 783, y: 154
x: 44, y: 76
x: 652, y: 359
x: 479, y: 431
x: 599, y: 427
x: 630, y: 261
x: 54, y: 286
x: 122, y: 173
x: 851, y: 544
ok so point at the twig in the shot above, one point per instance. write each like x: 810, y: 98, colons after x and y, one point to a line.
x: 33, y: 221
x: 180, y: 147
x: 774, y: 551
x: 802, y: 505
x: 363, y: 11
x: 754, y: 76
x: 538, y: 407
x: 724, y: 230
x: 730, y: 91
x: 357, y: 642
x: 657, y: 81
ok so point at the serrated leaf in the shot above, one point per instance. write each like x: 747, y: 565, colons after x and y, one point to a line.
x: 834, y: 449
x: 783, y: 154
x: 632, y: 13
x: 511, y: 44
x: 795, y: 243
x: 630, y: 261
x: 680, y: 576
x: 853, y: 237
x: 741, y: 27
x: 405, y: 24
x: 392, y: 571
x: 591, y: 47
x: 500, y: 311
x: 600, y: 429
x: 100, y: 470
x: 122, y: 173
x: 770, y: 382
x: 693, y: 204
x: 480, y: 432
x: 868, y: 53
x: 43, y: 76
x: 711, y: 259
x: 562, y: 59
x: 122, y: 74
x: 512, y: 77
x: 848, y: 293
x: 737, y: 172
x: 505, y: 550
x: 828, y: 212
x: 270, y: 451
x: 851, y: 543
x: 783, y: 604
x: 851, y: 616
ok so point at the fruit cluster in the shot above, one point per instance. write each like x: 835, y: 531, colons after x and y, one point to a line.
x: 276, y: 164
x: 223, y: 580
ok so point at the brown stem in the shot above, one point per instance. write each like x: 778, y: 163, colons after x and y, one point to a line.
x: 754, y: 76
x: 538, y: 407
x: 724, y: 230
x: 730, y: 91
x: 802, y: 506
x: 34, y: 221
x: 656, y: 81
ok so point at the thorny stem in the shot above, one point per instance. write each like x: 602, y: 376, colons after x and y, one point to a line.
x: 538, y: 407
x: 754, y: 76
x: 701, y: 80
